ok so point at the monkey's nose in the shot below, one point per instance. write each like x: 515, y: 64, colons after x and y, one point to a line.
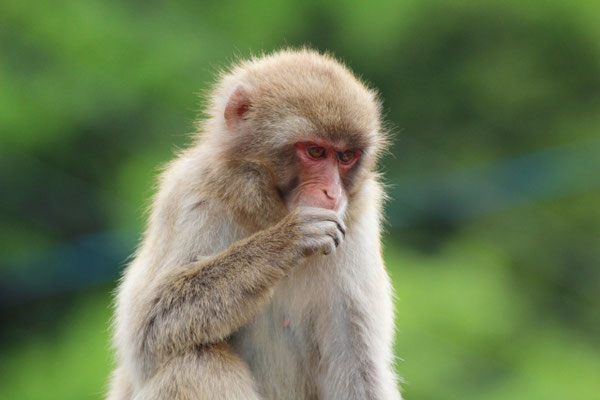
x: 331, y: 198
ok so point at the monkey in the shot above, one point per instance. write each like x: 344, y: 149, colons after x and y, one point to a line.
x: 260, y: 274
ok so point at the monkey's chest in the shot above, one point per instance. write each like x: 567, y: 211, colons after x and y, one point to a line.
x: 279, y: 346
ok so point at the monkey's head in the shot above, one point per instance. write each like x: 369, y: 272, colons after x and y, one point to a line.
x: 295, y: 128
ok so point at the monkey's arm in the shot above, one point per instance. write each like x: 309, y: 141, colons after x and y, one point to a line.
x: 206, y: 301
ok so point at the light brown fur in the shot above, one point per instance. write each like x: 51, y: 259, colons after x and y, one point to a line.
x: 222, y: 300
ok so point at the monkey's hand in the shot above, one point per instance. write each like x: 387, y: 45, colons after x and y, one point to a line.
x: 320, y: 230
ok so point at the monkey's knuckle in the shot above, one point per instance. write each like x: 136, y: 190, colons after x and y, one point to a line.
x: 338, y: 238
x: 334, y: 230
x: 329, y: 247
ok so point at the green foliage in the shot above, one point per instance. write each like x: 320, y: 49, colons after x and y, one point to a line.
x: 464, y: 332
x: 494, y: 217
x: 71, y: 362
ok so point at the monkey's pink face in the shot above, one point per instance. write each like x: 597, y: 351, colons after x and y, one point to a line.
x: 323, y: 168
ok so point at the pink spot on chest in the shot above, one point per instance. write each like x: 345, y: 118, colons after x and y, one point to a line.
x: 285, y: 323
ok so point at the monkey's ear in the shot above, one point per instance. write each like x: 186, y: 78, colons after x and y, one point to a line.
x: 237, y: 107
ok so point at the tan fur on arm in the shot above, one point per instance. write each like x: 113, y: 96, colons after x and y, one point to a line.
x: 205, y: 302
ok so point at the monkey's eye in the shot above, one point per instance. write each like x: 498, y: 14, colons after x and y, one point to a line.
x: 346, y: 156
x: 316, y: 152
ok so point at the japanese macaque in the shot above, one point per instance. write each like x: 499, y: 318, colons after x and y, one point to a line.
x: 260, y: 275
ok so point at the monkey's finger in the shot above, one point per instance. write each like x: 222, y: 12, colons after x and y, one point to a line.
x: 341, y: 227
x: 336, y: 236
x: 319, y: 214
x: 329, y: 246
x: 339, y: 237
x: 317, y: 228
x: 331, y: 216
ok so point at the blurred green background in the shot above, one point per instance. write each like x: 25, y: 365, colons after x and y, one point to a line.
x: 493, y: 240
